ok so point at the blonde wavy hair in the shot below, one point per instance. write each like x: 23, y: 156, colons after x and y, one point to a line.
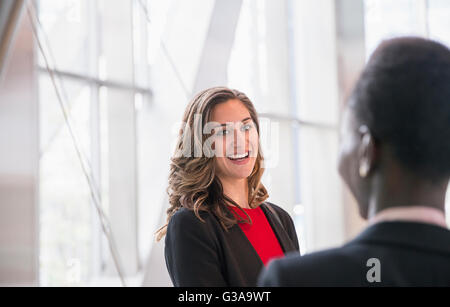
x: 193, y: 183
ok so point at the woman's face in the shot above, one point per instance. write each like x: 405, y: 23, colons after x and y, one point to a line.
x: 236, y: 140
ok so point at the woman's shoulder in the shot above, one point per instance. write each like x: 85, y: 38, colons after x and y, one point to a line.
x: 287, y: 222
x: 185, y: 226
x: 185, y: 218
x: 279, y: 210
x: 282, y: 214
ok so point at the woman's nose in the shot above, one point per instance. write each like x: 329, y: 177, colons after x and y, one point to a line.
x: 240, y: 140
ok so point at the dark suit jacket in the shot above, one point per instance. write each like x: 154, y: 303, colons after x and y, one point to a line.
x: 410, y: 254
x: 205, y: 255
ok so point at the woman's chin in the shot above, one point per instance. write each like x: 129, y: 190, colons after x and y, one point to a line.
x: 231, y: 169
x: 240, y: 174
x: 242, y: 171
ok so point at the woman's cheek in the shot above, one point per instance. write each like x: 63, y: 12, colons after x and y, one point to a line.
x: 218, y: 147
x: 254, y: 143
x: 221, y: 168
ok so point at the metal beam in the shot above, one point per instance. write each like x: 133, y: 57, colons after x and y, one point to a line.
x: 119, y: 85
x: 298, y: 121
x: 10, y: 12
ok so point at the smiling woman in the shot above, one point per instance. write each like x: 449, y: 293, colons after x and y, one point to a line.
x: 202, y: 153
x: 236, y: 149
x: 221, y: 230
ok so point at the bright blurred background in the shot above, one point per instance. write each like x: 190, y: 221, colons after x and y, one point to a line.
x: 124, y: 71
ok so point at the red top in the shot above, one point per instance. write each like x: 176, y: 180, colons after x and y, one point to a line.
x: 260, y: 234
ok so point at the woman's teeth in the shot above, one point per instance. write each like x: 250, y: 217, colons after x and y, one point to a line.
x: 237, y: 157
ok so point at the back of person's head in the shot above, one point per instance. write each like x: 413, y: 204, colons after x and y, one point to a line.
x: 403, y: 96
x: 396, y: 128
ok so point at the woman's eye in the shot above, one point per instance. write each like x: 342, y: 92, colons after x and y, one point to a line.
x: 222, y: 132
x: 247, y: 127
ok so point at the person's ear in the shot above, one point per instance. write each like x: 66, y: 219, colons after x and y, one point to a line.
x: 366, y: 152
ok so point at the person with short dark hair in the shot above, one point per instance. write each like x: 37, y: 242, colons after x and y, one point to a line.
x: 395, y: 159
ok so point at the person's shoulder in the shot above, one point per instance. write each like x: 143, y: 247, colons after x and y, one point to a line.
x: 322, y: 259
x: 319, y: 259
x: 186, y: 218
x: 283, y: 215
x: 279, y: 210
x: 327, y: 267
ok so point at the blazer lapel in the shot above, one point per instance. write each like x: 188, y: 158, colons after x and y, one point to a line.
x: 249, y: 260
x: 280, y: 232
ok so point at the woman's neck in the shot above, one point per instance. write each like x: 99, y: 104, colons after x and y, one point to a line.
x: 237, y: 190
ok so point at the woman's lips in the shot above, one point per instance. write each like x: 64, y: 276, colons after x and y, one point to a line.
x: 236, y: 159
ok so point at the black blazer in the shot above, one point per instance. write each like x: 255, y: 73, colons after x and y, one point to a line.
x: 409, y: 253
x: 205, y: 255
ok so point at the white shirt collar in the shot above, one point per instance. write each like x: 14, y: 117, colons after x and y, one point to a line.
x: 413, y: 214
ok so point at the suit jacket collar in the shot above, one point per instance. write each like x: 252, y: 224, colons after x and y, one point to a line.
x: 419, y: 236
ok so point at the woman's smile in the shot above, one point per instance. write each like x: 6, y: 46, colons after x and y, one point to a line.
x: 241, y: 159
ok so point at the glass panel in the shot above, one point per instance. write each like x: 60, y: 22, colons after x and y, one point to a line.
x: 318, y: 171
x: 65, y: 210
x: 244, y: 63
x: 439, y: 20
x: 158, y: 12
x: 66, y: 24
x: 386, y: 19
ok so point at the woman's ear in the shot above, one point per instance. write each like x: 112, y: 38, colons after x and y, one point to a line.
x: 366, y: 152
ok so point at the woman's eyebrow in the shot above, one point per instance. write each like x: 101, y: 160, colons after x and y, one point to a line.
x: 242, y: 121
